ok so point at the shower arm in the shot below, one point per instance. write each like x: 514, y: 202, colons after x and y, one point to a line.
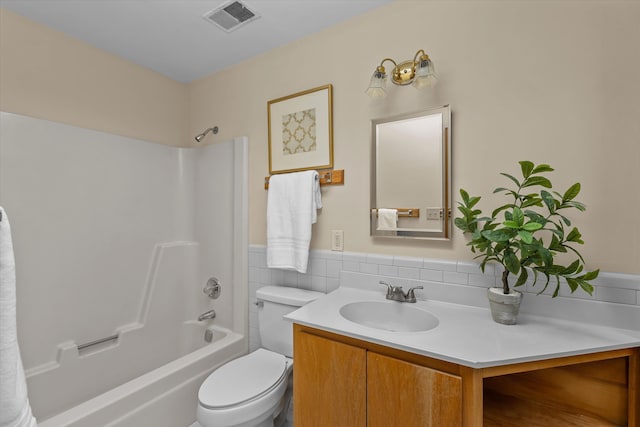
x: 201, y: 136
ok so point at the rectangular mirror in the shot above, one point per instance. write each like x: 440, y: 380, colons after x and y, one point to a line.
x: 411, y: 175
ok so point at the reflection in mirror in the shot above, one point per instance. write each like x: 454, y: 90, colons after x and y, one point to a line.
x: 411, y: 175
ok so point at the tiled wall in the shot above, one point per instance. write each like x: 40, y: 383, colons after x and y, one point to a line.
x: 614, y: 293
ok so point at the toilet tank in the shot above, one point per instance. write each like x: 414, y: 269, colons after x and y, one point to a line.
x: 276, y: 333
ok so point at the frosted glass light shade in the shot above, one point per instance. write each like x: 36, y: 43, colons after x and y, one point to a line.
x: 425, y: 75
x: 377, y: 85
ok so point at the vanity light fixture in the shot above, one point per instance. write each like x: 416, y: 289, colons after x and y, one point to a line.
x: 419, y: 71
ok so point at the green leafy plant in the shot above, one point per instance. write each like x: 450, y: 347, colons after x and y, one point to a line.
x: 517, y: 241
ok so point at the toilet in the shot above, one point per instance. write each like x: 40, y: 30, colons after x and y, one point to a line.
x: 255, y: 390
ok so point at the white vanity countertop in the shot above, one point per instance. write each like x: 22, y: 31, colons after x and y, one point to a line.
x: 467, y: 335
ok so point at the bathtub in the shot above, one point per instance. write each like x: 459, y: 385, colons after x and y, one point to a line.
x: 164, y: 396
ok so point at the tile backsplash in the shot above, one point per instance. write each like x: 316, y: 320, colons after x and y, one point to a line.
x: 615, y: 301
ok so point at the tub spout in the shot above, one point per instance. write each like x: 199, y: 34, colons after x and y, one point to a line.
x: 207, y: 315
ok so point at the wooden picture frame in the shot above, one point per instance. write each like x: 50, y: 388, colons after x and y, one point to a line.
x: 301, y: 131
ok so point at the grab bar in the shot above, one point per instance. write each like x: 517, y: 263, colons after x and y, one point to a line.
x: 85, y: 346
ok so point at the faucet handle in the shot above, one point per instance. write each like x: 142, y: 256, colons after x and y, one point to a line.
x: 212, y: 288
x: 411, y: 296
x: 390, y: 288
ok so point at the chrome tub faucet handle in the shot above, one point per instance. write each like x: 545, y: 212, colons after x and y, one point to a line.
x: 212, y: 289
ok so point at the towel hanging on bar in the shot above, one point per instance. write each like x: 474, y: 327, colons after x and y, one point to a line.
x: 292, y: 204
x: 387, y: 219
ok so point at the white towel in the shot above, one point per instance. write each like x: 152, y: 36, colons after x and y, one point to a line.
x: 387, y: 219
x: 292, y: 204
x: 16, y: 411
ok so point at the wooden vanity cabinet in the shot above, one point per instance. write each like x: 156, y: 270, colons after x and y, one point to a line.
x: 340, y: 384
x: 345, y: 382
x: 329, y: 382
x: 403, y: 394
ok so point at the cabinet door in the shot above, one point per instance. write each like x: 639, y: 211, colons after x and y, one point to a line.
x: 329, y: 383
x: 403, y: 394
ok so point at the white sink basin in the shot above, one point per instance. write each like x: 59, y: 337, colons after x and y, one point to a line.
x: 389, y: 316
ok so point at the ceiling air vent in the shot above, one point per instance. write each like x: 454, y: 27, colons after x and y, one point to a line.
x: 231, y: 16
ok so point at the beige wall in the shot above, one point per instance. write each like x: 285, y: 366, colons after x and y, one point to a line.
x: 48, y: 75
x: 553, y: 82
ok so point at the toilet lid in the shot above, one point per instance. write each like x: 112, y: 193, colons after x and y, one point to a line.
x: 243, y: 379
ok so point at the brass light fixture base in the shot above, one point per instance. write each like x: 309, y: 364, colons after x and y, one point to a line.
x: 404, y: 73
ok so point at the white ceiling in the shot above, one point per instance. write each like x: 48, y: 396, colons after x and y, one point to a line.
x: 171, y: 36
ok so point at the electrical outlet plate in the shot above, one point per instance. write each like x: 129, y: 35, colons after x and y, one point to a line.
x: 337, y: 240
x: 434, y: 213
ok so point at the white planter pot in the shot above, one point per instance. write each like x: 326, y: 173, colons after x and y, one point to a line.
x: 504, y: 307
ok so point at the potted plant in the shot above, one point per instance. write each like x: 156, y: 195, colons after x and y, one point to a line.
x: 525, y: 236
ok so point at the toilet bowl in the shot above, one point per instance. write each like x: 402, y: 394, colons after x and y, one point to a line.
x: 255, y: 390
x: 247, y: 392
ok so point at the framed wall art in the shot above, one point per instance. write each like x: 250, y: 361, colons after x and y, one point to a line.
x: 301, y: 131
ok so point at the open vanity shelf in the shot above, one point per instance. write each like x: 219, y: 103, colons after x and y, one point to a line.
x: 591, y: 390
x: 344, y: 381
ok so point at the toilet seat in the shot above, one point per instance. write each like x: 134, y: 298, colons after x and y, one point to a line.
x: 243, y: 380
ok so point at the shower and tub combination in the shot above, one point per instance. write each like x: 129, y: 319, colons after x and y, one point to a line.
x: 114, y: 240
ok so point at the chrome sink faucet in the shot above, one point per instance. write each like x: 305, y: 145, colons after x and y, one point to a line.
x: 395, y: 293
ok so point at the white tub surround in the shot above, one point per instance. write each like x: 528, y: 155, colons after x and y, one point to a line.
x: 467, y: 335
x: 115, y: 239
